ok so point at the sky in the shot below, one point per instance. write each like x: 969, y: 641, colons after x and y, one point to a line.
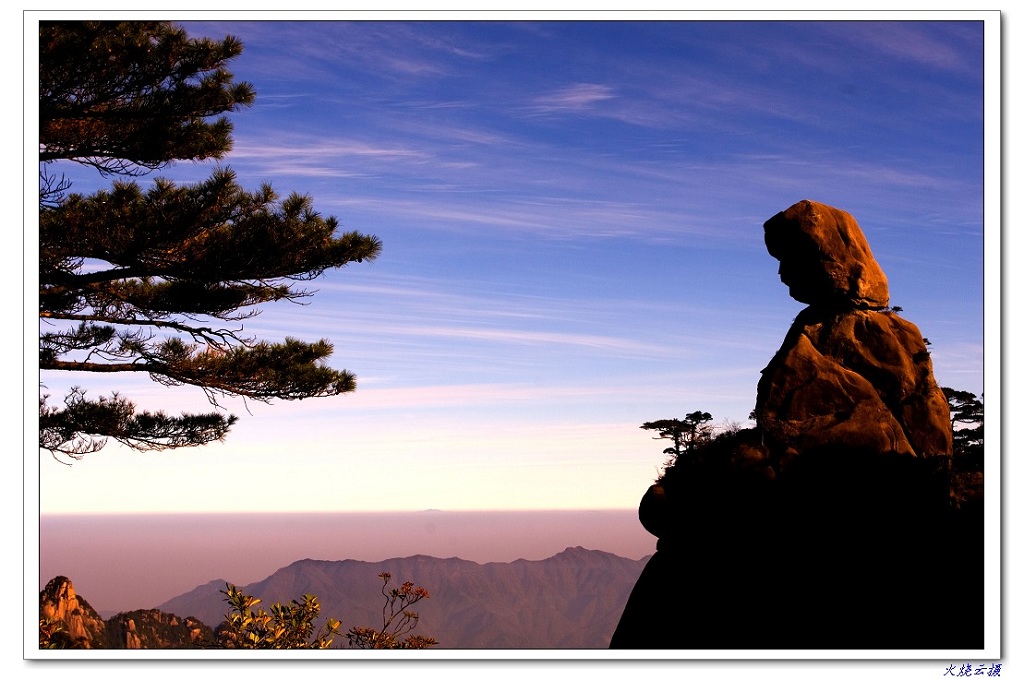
x: 571, y: 216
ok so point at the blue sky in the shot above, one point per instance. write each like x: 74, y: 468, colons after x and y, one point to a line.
x: 571, y: 216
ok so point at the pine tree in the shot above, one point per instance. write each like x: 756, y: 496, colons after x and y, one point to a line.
x: 157, y: 280
x: 687, y: 434
x: 967, y: 410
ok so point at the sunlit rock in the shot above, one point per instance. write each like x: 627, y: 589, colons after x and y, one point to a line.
x: 824, y: 257
x: 857, y: 380
x: 80, y: 623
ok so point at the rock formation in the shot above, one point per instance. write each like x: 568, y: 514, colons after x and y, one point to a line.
x: 80, y: 625
x: 156, y: 629
x: 824, y: 258
x: 851, y: 373
x: 826, y: 525
x: 67, y: 621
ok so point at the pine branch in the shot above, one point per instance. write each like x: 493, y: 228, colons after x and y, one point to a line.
x: 211, y: 233
x: 81, y: 338
x: 84, y: 425
x: 263, y: 371
x: 137, y: 112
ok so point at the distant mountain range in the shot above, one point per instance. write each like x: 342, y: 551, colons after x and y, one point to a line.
x: 571, y: 600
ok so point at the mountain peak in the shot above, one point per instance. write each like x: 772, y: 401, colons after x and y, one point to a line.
x: 570, y: 600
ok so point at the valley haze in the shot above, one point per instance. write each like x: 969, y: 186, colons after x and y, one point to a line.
x: 128, y: 562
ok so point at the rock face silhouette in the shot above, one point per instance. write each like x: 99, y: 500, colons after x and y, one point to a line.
x: 826, y: 526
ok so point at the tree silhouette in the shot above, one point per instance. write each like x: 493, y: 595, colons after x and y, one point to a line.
x: 159, y: 281
x: 686, y: 434
x: 967, y: 411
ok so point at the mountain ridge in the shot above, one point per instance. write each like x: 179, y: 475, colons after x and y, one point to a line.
x: 570, y: 600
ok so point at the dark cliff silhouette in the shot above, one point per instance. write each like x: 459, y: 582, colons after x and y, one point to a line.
x: 830, y: 525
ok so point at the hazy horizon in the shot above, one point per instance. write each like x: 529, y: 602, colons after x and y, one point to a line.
x: 128, y: 562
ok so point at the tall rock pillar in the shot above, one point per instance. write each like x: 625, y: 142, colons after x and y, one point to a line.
x: 828, y: 525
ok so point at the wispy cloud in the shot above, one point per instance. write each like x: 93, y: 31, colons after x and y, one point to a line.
x: 938, y: 47
x: 334, y: 148
x: 603, y: 343
x: 573, y: 98
x: 433, y: 397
